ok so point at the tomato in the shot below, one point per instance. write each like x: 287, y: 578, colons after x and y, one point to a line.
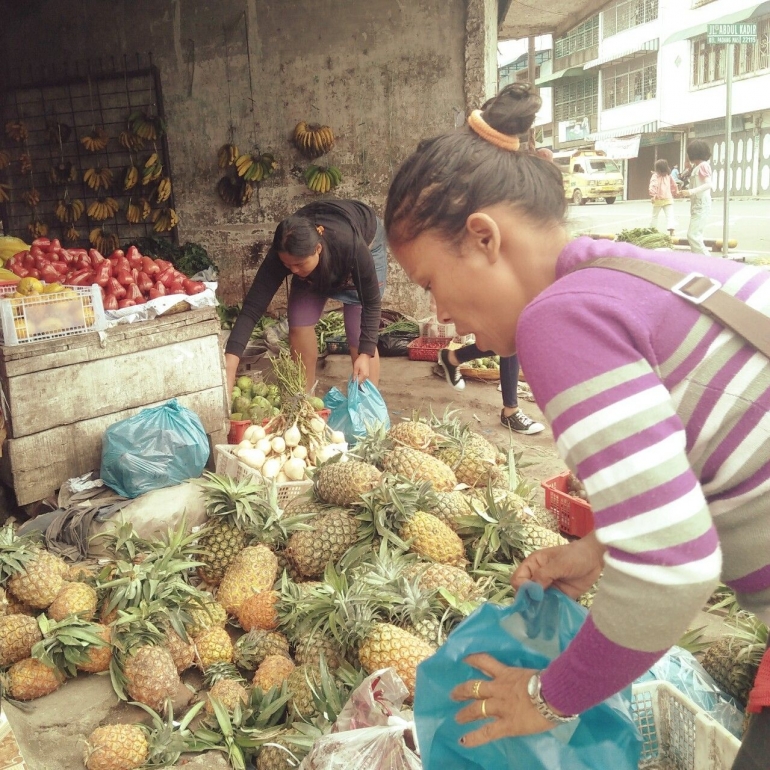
x: 115, y: 287
x: 149, y: 266
x: 110, y: 302
x: 126, y: 303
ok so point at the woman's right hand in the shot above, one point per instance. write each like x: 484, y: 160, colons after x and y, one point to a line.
x: 571, y: 568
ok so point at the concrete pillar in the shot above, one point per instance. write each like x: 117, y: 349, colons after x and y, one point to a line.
x: 480, y: 52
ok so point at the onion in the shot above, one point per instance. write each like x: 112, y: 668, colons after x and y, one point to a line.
x: 294, y: 469
x: 245, y: 444
x: 317, y: 425
x: 337, y: 437
x: 292, y: 436
x: 299, y: 452
x: 254, y: 433
x: 253, y: 458
x: 271, y: 468
x: 278, y: 445
x: 282, y: 478
x: 264, y: 446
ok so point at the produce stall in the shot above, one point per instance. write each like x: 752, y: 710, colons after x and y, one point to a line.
x: 60, y: 395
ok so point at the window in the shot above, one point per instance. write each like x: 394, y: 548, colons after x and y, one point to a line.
x: 633, y: 81
x: 576, y: 98
x: 625, y: 14
x: 602, y: 166
x: 708, y: 61
x: 585, y: 35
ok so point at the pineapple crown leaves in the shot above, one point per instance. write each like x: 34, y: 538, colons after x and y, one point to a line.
x: 693, y: 640
x: 329, y: 694
x: 273, y: 527
x: 66, y: 644
x: 227, y: 497
x: 373, y: 447
x: 168, y: 739
x: 218, y: 671
x: 123, y: 542
x: 15, y: 552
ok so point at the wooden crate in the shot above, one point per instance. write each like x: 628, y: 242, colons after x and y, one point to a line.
x: 60, y: 396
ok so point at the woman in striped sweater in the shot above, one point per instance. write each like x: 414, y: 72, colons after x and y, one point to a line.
x: 663, y: 414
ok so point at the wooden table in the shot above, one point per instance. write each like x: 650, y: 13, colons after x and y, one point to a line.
x: 60, y: 395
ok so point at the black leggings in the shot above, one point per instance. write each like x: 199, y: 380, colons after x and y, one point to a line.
x: 509, y: 371
x: 755, y: 748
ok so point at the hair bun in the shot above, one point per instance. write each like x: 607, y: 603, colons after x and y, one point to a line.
x: 513, y: 110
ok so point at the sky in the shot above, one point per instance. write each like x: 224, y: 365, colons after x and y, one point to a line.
x: 509, y: 50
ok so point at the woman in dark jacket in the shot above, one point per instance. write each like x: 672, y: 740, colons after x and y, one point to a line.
x: 333, y: 250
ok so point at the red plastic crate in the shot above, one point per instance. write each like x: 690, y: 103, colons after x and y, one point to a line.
x: 427, y: 348
x: 575, y: 515
x: 237, y: 429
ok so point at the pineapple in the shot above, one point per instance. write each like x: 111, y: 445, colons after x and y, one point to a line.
x: 18, y: 634
x: 116, y: 747
x: 431, y: 538
x: 414, y: 434
x: 151, y: 675
x: 279, y: 754
x: 452, y: 508
x: 74, y: 599
x: 226, y: 686
x: 343, y: 483
x: 301, y: 684
x: 419, y: 466
x: 420, y: 612
x: 273, y: 671
x: 208, y: 615
x: 213, y: 646
x: 80, y: 573
x: 39, y: 581
x: 254, y: 569
x: 230, y: 508
x: 30, y: 678
x: 471, y: 457
x: 98, y: 658
x: 252, y: 648
x: 183, y: 652
x: 259, y: 611
x: 332, y: 534
x: 453, y: 579
x: 311, y: 647
x: 3, y: 602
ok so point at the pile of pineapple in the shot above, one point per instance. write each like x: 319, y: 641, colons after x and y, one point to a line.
x: 281, y: 611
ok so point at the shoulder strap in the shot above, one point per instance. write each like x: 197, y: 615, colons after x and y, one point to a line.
x: 700, y: 290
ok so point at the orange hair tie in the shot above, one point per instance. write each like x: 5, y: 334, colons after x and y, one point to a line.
x: 492, y: 135
x: 320, y: 229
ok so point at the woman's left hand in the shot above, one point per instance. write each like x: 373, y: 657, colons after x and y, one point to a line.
x: 361, y: 368
x: 506, y: 703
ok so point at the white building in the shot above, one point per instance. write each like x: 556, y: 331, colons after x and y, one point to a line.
x: 643, y: 68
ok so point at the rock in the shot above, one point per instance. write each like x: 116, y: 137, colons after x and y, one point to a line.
x: 210, y: 760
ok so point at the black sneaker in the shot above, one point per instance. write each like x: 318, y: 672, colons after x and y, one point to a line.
x: 451, y: 373
x: 519, y: 422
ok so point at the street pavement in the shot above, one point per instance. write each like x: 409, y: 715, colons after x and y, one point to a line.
x: 749, y: 221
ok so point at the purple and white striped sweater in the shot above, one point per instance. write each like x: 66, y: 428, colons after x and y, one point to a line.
x: 665, y: 417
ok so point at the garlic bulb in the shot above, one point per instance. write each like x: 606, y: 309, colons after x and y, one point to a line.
x: 282, y: 478
x: 292, y: 436
x: 278, y: 445
x: 299, y: 452
x: 253, y: 458
x: 271, y: 468
x: 254, y: 433
x: 294, y: 469
x: 317, y: 425
x: 264, y: 445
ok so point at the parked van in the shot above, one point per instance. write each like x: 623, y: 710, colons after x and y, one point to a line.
x: 589, y: 175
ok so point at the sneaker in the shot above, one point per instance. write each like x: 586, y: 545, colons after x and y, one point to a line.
x: 451, y: 373
x: 518, y: 422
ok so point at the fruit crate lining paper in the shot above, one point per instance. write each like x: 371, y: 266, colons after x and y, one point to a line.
x: 82, y: 95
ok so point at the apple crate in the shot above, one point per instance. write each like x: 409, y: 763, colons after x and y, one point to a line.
x: 575, y: 515
x: 227, y: 464
x: 676, y: 733
x: 42, y: 317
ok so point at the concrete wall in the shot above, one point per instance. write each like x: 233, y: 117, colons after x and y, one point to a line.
x: 382, y: 73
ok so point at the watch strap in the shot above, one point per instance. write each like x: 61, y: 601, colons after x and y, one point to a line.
x: 539, y: 703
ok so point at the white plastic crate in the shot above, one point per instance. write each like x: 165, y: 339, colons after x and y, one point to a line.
x: 677, y: 734
x: 430, y: 327
x: 227, y: 464
x: 50, y: 316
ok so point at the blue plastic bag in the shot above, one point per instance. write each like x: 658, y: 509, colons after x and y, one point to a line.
x: 361, y: 410
x: 159, y: 447
x: 530, y: 633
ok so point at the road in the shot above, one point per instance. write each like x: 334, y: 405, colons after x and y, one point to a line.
x: 748, y: 221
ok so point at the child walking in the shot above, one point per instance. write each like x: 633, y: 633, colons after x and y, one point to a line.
x: 699, y: 193
x: 663, y: 190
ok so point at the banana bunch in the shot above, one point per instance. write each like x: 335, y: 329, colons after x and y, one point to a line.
x: 103, y: 209
x: 163, y: 192
x: 235, y: 192
x: 103, y: 241
x: 96, y: 141
x: 62, y: 173
x: 25, y: 162
x: 164, y: 219
x: 138, y: 212
x: 152, y: 170
x: 71, y: 234
x: 37, y: 229
x: 31, y: 197
x: 16, y: 130
x: 5, y: 192
x: 313, y: 140
x: 128, y: 140
x: 5, y: 160
x: 321, y: 180
x: 69, y: 211
x: 131, y: 177
x: 227, y: 155
x: 254, y: 167
x: 98, y: 178
x: 146, y: 126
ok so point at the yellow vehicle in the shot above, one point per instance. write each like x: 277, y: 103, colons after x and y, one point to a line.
x: 589, y: 175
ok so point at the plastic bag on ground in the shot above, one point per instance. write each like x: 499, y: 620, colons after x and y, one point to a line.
x: 157, y: 448
x: 371, y: 732
x: 363, y: 409
x: 530, y: 633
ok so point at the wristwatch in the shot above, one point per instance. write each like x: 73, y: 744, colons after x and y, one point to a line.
x: 533, y: 690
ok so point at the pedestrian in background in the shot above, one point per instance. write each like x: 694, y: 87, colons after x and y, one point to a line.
x: 699, y: 193
x: 663, y: 190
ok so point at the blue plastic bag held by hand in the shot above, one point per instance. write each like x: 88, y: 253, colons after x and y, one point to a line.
x: 361, y: 410
x: 530, y: 633
x: 159, y: 447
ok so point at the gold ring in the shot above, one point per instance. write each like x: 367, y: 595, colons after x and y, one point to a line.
x: 476, y: 688
x: 484, y: 708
